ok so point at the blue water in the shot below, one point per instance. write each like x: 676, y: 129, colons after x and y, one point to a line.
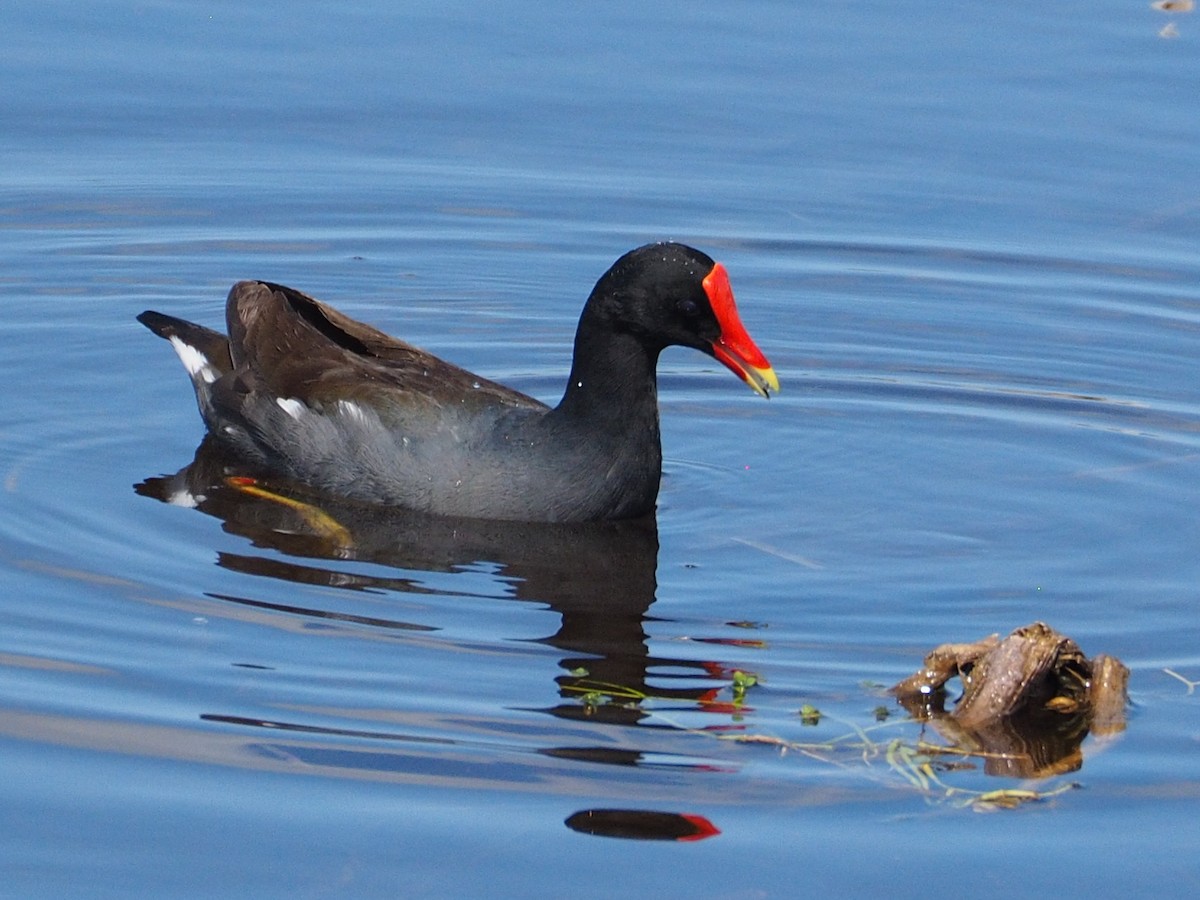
x: 967, y: 240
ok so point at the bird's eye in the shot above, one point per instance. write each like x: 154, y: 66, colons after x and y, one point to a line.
x: 688, y: 307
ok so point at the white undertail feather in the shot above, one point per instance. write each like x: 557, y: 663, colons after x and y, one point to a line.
x: 194, y: 361
x: 184, y: 497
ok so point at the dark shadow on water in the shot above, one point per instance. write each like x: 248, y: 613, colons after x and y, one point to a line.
x: 642, y: 825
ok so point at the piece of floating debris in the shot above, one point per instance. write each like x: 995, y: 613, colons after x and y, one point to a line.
x: 1028, y: 700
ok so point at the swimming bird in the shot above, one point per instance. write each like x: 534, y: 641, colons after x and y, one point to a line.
x: 306, y: 392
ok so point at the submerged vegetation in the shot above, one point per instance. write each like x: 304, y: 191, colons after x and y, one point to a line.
x: 1028, y: 702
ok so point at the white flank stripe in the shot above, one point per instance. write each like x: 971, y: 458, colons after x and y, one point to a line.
x: 291, y: 406
x: 351, y: 410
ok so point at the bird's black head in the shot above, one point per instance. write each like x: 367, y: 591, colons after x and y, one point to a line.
x: 667, y: 294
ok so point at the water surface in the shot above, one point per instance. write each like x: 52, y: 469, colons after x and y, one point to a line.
x: 966, y: 240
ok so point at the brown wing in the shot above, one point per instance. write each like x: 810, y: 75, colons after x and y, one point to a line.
x: 294, y: 346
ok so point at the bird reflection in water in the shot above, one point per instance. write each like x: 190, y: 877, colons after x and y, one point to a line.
x: 599, y: 577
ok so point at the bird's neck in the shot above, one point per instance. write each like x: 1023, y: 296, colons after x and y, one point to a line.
x: 607, y: 424
x: 612, y: 383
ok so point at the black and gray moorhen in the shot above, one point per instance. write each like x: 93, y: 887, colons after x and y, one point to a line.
x: 304, y: 391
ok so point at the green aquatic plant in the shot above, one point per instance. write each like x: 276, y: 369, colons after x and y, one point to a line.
x: 742, y: 682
